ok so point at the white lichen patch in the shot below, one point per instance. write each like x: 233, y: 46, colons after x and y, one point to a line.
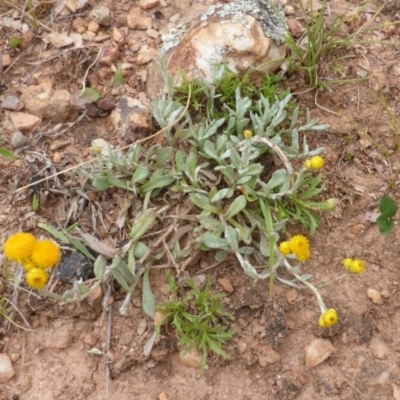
x: 267, y: 13
x: 174, y: 36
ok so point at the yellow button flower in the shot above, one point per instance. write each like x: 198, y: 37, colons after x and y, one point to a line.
x: 328, y: 318
x: 355, y: 266
x: 247, y: 134
x: 303, y: 256
x: 300, y: 246
x: 46, y: 254
x: 316, y: 162
x: 28, y: 265
x: 37, y: 278
x: 284, y: 248
x: 19, y: 247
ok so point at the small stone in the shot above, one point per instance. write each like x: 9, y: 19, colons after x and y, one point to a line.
x: 102, y: 146
x: 59, y: 40
x: 191, y: 359
x: 136, y: 20
x: 142, y: 326
x: 93, y: 26
x: 147, y: 4
x: 152, y: 33
x: 101, y: 38
x: 385, y: 293
x: 225, y: 285
x: 6, y: 369
x: 45, y: 102
x: 110, y: 54
x: 101, y: 14
x: 317, y: 352
x: 292, y: 295
x: 22, y: 121
x: 18, y: 140
x: 158, y: 317
x: 374, y: 296
x: 295, y: 28
x: 379, y: 349
x: 57, y: 157
x: 242, y: 347
x: 266, y: 355
x: 117, y: 35
x: 289, y: 10
x: 357, y: 229
x: 146, y: 54
x: 163, y: 396
x: 80, y: 25
x: 131, y: 116
x: 27, y: 38
x: 107, y: 103
x: 6, y: 60
x: 14, y: 357
x: 11, y: 103
x: 396, y: 391
x: 89, y: 36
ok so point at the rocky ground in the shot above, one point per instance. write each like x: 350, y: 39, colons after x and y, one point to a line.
x: 53, y: 127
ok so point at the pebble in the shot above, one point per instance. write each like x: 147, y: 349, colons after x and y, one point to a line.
x: 59, y: 40
x: 379, y: 349
x: 163, y: 396
x: 57, y: 157
x: 225, y: 285
x: 135, y: 20
x: 396, y: 391
x: 266, y: 355
x: 191, y: 359
x: 93, y: 26
x: 101, y: 14
x: 18, y: 140
x: 80, y: 25
x: 145, y: 55
x: 15, y: 357
x: 381, y: 380
x: 11, y: 103
x: 374, y: 296
x: 107, y: 103
x: 110, y: 54
x: 317, y: 352
x: 6, y: 60
x: 6, y: 369
x: 242, y: 347
x: 142, y: 326
x: 147, y: 4
x: 22, y: 121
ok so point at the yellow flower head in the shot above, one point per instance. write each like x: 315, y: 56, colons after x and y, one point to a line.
x: 284, y: 248
x: 300, y: 246
x: 316, y: 162
x: 46, y: 254
x: 355, y: 266
x: 328, y: 318
x: 28, y: 265
x: 37, y: 278
x: 303, y: 256
x: 247, y: 134
x: 19, y: 247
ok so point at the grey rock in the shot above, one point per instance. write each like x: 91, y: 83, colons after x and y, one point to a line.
x: 101, y: 14
x: 11, y: 103
x: 18, y: 140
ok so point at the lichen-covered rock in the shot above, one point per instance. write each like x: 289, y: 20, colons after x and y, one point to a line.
x: 246, y: 35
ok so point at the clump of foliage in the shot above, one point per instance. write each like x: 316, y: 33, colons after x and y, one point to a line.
x: 196, y: 318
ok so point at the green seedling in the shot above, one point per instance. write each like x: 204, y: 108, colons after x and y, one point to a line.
x: 197, y: 318
x: 15, y: 42
x: 388, y: 209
